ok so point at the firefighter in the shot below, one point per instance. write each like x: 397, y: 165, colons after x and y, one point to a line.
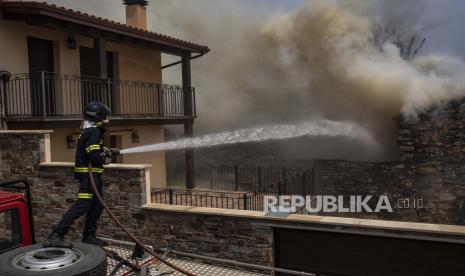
x: 89, y: 149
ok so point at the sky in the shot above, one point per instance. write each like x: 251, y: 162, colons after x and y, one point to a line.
x: 116, y: 12
x: 444, y: 28
x: 443, y: 21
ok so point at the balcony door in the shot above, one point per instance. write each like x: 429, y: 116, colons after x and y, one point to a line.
x: 93, y: 87
x: 42, y: 89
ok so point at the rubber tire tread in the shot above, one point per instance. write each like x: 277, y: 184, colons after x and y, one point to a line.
x: 94, y: 263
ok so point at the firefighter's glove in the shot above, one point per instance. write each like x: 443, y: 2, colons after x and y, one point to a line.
x: 108, y: 154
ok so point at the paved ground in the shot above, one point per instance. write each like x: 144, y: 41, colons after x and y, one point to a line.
x: 197, y: 268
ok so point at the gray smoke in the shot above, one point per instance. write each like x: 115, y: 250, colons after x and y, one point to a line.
x: 275, y: 63
x: 319, y: 60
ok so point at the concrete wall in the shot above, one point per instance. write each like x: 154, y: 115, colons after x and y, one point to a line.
x: 13, y: 45
x: 133, y: 64
x: 147, y: 135
x: 59, y: 150
x: 137, y: 64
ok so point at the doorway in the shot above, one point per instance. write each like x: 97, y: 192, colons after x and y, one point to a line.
x: 95, y: 88
x: 42, y: 89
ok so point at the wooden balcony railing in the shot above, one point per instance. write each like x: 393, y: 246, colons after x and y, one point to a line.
x: 46, y: 94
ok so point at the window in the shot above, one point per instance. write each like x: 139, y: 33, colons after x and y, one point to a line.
x: 10, y: 232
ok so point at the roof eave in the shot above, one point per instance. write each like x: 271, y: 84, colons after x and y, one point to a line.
x: 37, y: 8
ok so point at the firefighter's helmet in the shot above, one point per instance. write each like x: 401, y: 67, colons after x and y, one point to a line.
x: 96, y: 111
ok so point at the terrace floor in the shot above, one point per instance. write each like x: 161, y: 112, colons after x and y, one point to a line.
x: 197, y: 268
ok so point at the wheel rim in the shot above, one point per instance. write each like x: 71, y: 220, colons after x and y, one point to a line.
x: 44, y: 259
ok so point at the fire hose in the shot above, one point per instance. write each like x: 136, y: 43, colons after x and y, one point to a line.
x: 130, y: 235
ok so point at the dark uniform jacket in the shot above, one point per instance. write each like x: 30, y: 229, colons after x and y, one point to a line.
x: 89, y: 149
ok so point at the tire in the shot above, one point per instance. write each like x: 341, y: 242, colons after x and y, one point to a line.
x: 93, y: 262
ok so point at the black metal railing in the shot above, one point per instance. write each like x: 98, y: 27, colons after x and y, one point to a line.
x: 248, y: 178
x: 52, y: 94
x: 301, y: 183
x: 198, y: 198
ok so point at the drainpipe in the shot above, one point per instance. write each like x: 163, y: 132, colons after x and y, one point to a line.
x: 4, y: 77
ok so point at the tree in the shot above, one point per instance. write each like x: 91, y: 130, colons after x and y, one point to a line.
x: 409, y: 45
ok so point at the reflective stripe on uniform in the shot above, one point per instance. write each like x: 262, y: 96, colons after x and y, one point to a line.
x: 85, y: 170
x: 85, y: 196
x: 92, y: 147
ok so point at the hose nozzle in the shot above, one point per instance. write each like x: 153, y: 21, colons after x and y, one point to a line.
x: 115, y: 151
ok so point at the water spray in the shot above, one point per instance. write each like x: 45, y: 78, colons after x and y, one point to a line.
x: 278, y: 132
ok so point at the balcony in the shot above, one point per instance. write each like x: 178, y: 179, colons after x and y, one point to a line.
x: 46, y: 96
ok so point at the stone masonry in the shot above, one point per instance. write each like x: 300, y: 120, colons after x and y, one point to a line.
x: 235, y: 238
x: 54, y: 190
x: 431, y: 166
x: 243, y: 237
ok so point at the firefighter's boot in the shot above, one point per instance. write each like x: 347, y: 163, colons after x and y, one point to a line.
x: 55, y: 240
x: 95, y: 241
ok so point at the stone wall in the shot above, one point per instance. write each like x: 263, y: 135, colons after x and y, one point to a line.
x: 438, y: 134
x: 233, y: 234
x: 54, y: 190
x: 235, y: 238
x: 22, y: 154
x: 431, y: 167
x: 248, y: 236
x: 395, y: 180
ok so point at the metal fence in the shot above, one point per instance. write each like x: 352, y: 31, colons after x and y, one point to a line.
x: 300, y: 183
x: 243, y: 178
x: 52, y: 94
x: 196, y: 198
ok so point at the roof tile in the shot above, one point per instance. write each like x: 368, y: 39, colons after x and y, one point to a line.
x: 71, y: 12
